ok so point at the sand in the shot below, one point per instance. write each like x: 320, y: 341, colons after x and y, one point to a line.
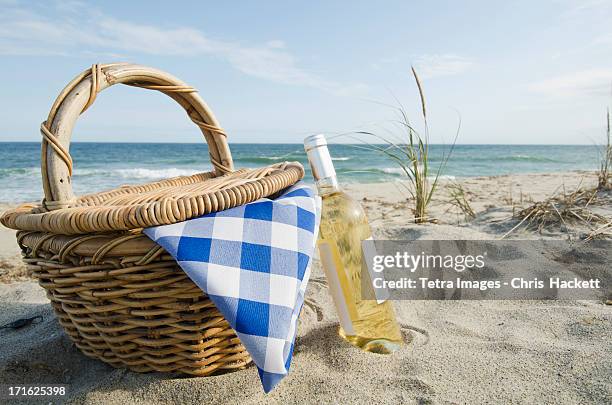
x: 458, y: 352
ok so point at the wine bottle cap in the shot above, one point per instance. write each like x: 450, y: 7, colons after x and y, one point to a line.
x: 314, y: 141
x: 318, y: 157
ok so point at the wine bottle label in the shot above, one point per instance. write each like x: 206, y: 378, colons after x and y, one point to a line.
x: 339, y: 286
x: 368, y: 248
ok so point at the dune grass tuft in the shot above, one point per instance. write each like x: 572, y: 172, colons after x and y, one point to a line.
x: 564, y: 210
x: 410, y: 151
x: 458, y: 198
x: 605, y: 167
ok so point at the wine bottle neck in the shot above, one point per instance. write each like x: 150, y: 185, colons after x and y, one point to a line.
x: 328, y: 185
x: 321, y: 164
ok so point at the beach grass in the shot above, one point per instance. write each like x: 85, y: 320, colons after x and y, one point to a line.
x: 458, y: 198
x: 411, y: 153
x: 564, y: 210
x: 606, y: 159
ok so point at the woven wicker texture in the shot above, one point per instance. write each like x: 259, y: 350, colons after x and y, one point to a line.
x: 120, y: 297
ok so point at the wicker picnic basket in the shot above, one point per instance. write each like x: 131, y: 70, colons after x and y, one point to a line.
x: 120, y: 297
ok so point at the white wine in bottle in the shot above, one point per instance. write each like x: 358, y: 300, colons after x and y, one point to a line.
x: 364, y: 323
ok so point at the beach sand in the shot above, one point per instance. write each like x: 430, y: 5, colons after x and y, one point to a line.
x: 461, y: 352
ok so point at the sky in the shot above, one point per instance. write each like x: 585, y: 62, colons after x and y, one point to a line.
x: 512, y: 72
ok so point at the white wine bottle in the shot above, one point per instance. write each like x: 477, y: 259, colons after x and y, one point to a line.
x: 364, y: 323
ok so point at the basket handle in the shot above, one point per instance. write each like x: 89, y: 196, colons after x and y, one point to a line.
x: 80, y: 93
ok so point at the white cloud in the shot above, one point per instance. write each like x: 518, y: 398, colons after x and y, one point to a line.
x: 79, y: 30
x: 586, y: 82
x: 430, y: 66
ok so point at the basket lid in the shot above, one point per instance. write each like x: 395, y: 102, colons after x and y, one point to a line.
x: 159, y: 203
x: 132, y: 207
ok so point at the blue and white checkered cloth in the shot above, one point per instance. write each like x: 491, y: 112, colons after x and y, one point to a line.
x: 253, y: 262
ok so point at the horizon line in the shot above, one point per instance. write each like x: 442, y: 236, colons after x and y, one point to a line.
x: 298, y: 143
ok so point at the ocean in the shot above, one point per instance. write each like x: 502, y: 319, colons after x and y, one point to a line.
x: 100, y: 166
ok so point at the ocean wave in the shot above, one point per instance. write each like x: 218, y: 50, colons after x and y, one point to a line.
x: 141, y: 173
x: 394, y: 170
x: 136, y: 173
x: 132, y: 173
x: 20, y: 172
x: 526, y: 158
x: 383, y: 171
x: 290, y: 156
x: 263, y: 159
x: 507, y: 158
x: 400, y: 172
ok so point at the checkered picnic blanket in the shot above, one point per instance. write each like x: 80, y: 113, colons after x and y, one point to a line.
x: 253, y: 262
